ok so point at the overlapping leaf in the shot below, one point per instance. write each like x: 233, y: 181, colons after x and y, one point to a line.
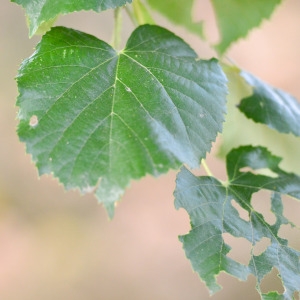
x: 178, y: 12
x: 88, y: 112
x: 42, y: 13
x: 236, y: 18
x: 273, y: 107
x: 239, y: 130
x: 209, y: 205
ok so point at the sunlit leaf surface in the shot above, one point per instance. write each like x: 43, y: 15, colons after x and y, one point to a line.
x: 179, y: 12
x: 235, y: 18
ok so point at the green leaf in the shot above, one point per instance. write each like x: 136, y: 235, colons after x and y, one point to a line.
x: 273, y: 107
x: 239, y: 130
x: 236, y: 18
x: 141, y: 13
x: 89, y: 113
x: 41, y: 14
x: 209, y: 205
x: 272, y: 296
x: 179, y: 12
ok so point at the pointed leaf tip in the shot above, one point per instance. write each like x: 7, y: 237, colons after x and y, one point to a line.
x: 236, y: 18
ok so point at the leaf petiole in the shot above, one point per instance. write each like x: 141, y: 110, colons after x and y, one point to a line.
x: 206, y: 168
x: 131, y: 16
x: 116, y: 37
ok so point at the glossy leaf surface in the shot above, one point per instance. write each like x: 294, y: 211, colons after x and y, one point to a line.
x: 236, y: 18
x: 41, y: 13
x: 209, y: 205
x: 273, y: 107
x: 178, y: 12
x: 88, y: 112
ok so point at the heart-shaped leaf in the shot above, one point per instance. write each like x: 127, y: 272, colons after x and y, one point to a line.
x: 88, y: 112
x: 209, y: 205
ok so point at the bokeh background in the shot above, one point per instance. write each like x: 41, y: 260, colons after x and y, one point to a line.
x: 61, y: 245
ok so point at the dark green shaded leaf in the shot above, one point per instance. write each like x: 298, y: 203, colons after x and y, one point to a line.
x: 239, y: 130
x: 41, y: 14
x: 178, y: 12
x: 236, y: 18
x: 88, y: 112
x: 273, y: 107
x: 208, y: 203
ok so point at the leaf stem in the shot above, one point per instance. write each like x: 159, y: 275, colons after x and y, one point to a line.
x: 116, y: 38
x: 206, y: 168
x: 131, y: 16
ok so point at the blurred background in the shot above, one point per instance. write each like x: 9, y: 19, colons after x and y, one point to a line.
x: 61, y: 245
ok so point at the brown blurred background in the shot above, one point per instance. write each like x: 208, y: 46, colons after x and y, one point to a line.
x: 60, y: 245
